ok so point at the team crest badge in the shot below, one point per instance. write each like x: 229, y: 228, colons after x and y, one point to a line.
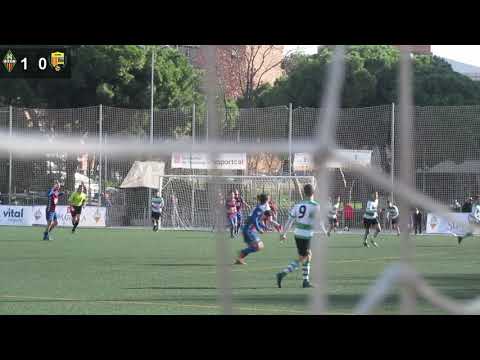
x: 57, y: 60
x: 9, y: 61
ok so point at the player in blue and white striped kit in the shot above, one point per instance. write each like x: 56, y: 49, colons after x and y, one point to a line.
x: 252, y: 227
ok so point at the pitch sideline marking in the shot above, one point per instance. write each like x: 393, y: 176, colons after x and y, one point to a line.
x: 153, y: 303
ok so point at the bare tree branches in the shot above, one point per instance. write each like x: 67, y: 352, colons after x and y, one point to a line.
x: 249, y: 66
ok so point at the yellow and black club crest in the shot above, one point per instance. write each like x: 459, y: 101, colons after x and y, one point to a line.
x: 57, y: 60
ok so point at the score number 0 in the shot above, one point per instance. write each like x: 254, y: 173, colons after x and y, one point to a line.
x: 42, y: 63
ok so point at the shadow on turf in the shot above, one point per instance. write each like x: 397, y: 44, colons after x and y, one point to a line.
x: 207, y: 265
x: 437, y: 246
x: 458, y: 286
x: 22, y: 241
x: 359, y: 246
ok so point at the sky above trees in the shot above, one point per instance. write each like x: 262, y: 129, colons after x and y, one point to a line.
x: 469, y: 54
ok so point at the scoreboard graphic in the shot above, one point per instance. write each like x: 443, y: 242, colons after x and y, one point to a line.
x: 33, y: 62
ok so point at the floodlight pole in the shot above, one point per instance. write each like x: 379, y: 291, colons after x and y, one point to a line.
x: 151, y: 95
x: 191, y: 169
x: 152, y: 89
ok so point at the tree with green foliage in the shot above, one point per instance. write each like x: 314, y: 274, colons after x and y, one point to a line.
x: 112, y: 75
x: 370, y: 79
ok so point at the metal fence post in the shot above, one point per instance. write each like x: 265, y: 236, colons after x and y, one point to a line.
x: 105, y: 162
x: 290, y: 130
x: 206, y: 125
x: 100, y: 136
x: 152, y: 85
x: 392, y: 141
x: 191, y: 170
x: 10, y: 161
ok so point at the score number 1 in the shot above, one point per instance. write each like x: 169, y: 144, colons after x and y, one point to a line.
x: 42, y: 63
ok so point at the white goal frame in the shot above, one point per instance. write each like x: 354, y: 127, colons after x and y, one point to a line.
x: 178, y: 217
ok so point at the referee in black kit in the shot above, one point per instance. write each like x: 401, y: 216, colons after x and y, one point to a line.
x: 417, y: 221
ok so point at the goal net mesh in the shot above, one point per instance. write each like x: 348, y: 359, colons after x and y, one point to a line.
x: 98, y: 146
x: 187, y: 204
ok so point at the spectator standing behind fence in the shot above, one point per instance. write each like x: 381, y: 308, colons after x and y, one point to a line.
x: 347, y: 216
x: 417, y: 221
x: 467, y: 205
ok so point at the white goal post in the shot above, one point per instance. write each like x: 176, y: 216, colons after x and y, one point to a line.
x: 187, y: 205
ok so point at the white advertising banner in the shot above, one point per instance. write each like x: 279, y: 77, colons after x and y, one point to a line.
x: 304, y: 161
x: 439, y: 225
x: 16, y: 215
x: 233, y: 161
x: 92, y: 216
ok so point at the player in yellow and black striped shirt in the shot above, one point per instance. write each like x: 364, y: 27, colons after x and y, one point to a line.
x: 77, y: 200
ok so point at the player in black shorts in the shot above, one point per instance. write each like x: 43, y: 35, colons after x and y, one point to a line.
x: 77, y: 201
x: 303, y: 216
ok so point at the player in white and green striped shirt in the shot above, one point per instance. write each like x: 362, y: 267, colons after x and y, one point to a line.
x: 473, y: 218
x: 303, y: 216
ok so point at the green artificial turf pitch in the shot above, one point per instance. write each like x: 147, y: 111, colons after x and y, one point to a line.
x: 113, y: 271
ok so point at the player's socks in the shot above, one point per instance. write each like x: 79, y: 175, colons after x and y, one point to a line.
x: 245, y: 252
x: 306, y: 270
x: 45, y: 235
x: 365, y: 236
x: 307, y: 284
x: 460, y: 238
x: 294, y: 265
x: 280, y: 277
x: 374, y: 237
x: 240, y: 259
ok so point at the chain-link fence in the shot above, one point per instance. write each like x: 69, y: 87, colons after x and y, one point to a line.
x: 447, y: 149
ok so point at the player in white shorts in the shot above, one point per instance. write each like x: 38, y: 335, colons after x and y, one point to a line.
x: 473, y: 218
x: 332, y: 215
x: 393, y: 215
x: 272, y: 208
x: 370, y: 219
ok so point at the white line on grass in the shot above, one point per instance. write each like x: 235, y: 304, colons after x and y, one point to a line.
x: 162, y: 303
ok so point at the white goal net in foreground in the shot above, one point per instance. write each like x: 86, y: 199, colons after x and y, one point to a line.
x: 191, y: 199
